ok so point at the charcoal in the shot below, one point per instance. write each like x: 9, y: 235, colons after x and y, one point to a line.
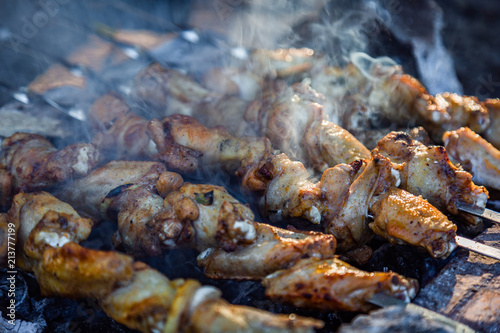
x: 395, y: 319
x: 468, y: 288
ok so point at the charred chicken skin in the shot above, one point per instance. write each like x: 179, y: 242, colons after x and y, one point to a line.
x: 427, y: 171
x: 130, y: 292
x: 333, y: 284
x: 341, y: 201
x: 119, y: 134
x: 29, y: 162
x: 475, y: 155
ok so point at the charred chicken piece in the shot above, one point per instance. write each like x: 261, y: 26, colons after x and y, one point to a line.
x: 294, y: 120
x: 86, y: 194
x: 341, y: 201
x: 427, y: 171
x: 383, y: 90
x: 463, y: 111
x: 475, y: 155
x: 273, y: 249
x: 138, y: 296
x: 118, y: 133
x: 169, y: 91
x: 207, y: 218
x: 42, y: 221
x: 131, y: 293
x: 346, y: 217
x: 197, y: 144
x: 35, y: 164
x: 335, y: 285
x: 402, y: 218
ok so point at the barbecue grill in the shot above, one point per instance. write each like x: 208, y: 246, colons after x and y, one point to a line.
x: 194, y: 37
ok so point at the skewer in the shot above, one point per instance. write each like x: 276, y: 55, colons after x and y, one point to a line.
x: 385, y: 301
x: 481, y: 212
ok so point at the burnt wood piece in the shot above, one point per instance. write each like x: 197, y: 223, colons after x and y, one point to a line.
x: 468, y: 288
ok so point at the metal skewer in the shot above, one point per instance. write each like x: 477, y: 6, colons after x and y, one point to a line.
x: 385, y: 301
x: 481, y: 212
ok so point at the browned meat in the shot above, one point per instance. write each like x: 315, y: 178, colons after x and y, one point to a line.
x: 42, y: 221
x: 213, y: 147
x: 463, y: 111
x: 333, y: 285
x: 428, y: 172
x: 346, y: 216
x: 328, y: 144
x: 476, y: 155
x: 119, y: 134
x: 35, y: 163
x: 168, y: 90
x: 207, y: 218
x: 143, y: 299
x: 402, y: 218
x: 87, y: 194
x: 273, y: 249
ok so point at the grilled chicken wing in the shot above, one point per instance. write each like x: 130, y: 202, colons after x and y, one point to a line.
x: 141, y: 298
x: 42, y: 221
x: 335, y: 285
x: 34, y: 163
x: 213, y: 147
x: 402, y: 218
x: 118, y: 133
x: 131, y: 293
x: 86, y: 194
x: 463, y: 111
x: 428, y: 172
x: 475, y: 154
x: 348, y: 220
x: 168, y: 89
x: 273, y: 249
x: 207, y: 218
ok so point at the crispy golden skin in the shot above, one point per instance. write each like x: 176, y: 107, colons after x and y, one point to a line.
x: 43, y: 221
x: 35, y: 163
x: 463, y: 111
x: 273, y: 249
x: 334, y: 285
x: 288, y: 192
x: 143, y: 299
x: 86, y: 194
x: 168, y: 90
x: 328, y: 144
x: 475, y: 154
x: 403, y: 218
x: 427, y: 171
x: 118, y: 133
x: 348, y: 220
x: 76, y: 272
x: 213, y: 147
x: 207, y: 218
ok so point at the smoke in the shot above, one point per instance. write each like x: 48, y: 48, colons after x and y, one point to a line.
x: 340, y: 28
